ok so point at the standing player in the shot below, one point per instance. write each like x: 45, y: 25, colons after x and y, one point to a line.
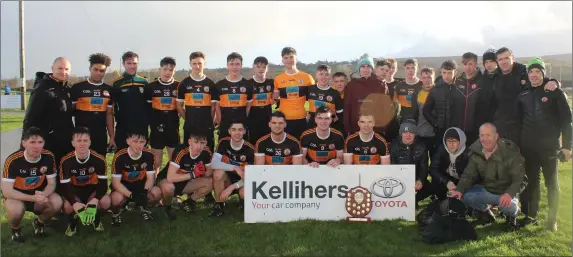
x: 366, y: 146
x: 233, y: 95
x: 232, y: 155
x: 322, y: 95
x: 195, y: 102
x: 381, y: 70
x: 187, y: 173
x: 291, y: 88
x: 261, y: 108
x: 130, y: 106
x: 322, y: 145
x: 93, y: 104
x: 339, y: 81
x: 133, y: 177
x: 83, y: 178
x: 405, y: 89
x: 278, y: 147
x: 28, y: 184
x: 164, y: 125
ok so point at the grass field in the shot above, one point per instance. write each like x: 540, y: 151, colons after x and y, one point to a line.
x: 196, y: 234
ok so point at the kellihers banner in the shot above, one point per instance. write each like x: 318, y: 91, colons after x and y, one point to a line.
x: 278, y: 193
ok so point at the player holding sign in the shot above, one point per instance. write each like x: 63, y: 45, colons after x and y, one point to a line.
x: 187, y: 173
x: 322, y: 145
x: 366, y: 146
x: 133, y: 177
x: 278, y: 147
x: 83, y: 181
x: 232, y: 155
x: 28, y: 184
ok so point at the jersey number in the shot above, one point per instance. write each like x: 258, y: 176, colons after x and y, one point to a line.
x: 82, y: 172
x: 33, y: 173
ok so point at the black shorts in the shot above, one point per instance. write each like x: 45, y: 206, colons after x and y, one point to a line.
x: 164, y: 136
x: 99, y: 141
x: 233, y: 176
x: 121, y: 136
x: 83, y: 193
x: 28, y: 206
x: 296, y: 127
x: 133, y: 187
x: 179, y: 186
x: 258, y: 129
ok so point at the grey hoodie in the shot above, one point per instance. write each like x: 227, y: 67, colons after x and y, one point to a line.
x: 454, y: 155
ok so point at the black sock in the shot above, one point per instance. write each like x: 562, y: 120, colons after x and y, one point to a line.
x: 210, y: 196
x: 221, y: 204
x: 14, y: 230
x: 72, y: 220
x: 98, y: 216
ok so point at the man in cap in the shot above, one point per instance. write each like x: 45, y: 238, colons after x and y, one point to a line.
x: 409, y: 150
x: 545, y: 116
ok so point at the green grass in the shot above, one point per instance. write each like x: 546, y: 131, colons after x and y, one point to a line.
x: 196, y: 234
x: 11, y: 121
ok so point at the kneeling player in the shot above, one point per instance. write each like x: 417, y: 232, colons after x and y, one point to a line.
x: 232, y: 155
x: 322, y: 145
x: 366, y: 146
x: 83, y: 181
x: 28, y: 184
x: 133, y: 177
x: 188, y: 173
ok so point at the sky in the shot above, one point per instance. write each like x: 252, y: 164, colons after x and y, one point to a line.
x: 333, y: 31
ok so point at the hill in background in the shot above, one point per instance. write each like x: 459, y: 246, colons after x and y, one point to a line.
x: 558, y: 66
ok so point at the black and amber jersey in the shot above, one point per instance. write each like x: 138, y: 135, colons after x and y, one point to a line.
x: 233, y: 97
x: 133, y: 170
x: 261, y: 107
x: 369, y: 151
x: 185, y: 163
x: 278, y: 153
x: 321, y: 150
x: 91, y: 104
x: 292, y: 92
x: 329, y: 97
x: 403, y: 94
x: 86, y: 173
x: 197, y: 97
x: 241, y: 156
x: 163, y: 96
x: 29, y: 176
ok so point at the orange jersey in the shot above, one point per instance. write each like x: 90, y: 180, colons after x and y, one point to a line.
x: 292, y: 91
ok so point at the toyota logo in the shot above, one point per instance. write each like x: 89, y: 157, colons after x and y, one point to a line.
x: 388, y: 187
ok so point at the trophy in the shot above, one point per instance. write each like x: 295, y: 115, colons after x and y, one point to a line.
x: 358, y: 204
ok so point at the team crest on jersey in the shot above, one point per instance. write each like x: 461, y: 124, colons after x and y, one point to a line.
x: 544, y: 99
x: 144, y: 165
x: 373, y: 150
x: 91, y: 170
x: 320, y: 97
x: 43, y: 169
x: 269, y: 87
x: 300, y: 81
x: 141, y: 90
x: 474, y: 86
x: 243, y: 90
x: 173, y: 93
x: 287, y: 151
x: 105, y: 93
x: 331, y: 147
x: 329, y: 98
x: 206, y: 89
x: 243, y: 158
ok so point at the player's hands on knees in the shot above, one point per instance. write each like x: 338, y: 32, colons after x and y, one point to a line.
x: 226, y: 193
x: 505, y: 200
x: 78, y: 206
x: 314, y: 164
x: 40, y: 197
x: 333, y: 163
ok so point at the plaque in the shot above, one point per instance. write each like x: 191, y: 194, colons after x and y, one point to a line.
x: 358, y: 204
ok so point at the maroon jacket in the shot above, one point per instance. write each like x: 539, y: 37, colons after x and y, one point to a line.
x: 369, y: 95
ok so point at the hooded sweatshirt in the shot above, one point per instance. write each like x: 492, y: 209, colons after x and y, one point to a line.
x: 454, y: 155
x: 448, y: 166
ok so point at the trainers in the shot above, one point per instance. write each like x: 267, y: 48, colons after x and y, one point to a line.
x: 71, y: 230
x: 145, y: 213
x: 189, y: 205
x: 527, y: 221
x: 98, y: 226
x: 511, y: 224
x: 169, y: 212
x: 116, y: 219
x: 17, y: 235
x: 483, y: 218
x: 217, y: 210
x: 209, y: 200
x: 38, y: 227
x: 130, y: 206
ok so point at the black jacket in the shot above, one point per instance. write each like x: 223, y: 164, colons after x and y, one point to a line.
x: 466, y: 102
x: 438, y: 105
x: 441, y: 162
x: 486, y: 96
x: 50, y: 109
x: 545, y: 116
x: 411, y: 154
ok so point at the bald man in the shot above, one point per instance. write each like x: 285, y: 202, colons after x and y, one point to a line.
x: 50, y: 109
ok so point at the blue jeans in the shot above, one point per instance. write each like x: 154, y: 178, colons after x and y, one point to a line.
x: 478, y: 198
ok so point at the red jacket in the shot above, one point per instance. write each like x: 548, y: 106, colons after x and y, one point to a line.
x: 370, y: 95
